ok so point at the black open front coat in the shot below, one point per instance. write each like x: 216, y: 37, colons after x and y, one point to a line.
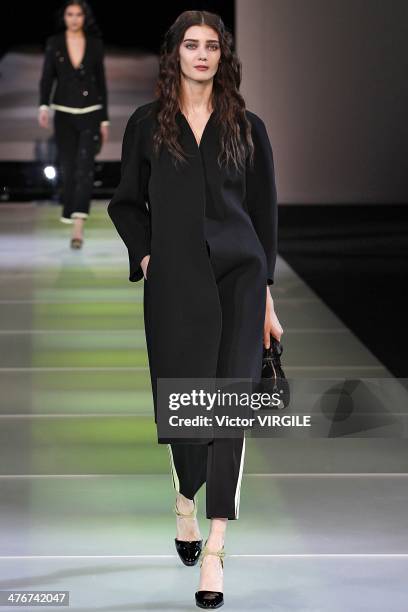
x: 159, y: 209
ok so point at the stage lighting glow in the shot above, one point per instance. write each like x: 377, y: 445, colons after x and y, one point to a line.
x: 50, y: 172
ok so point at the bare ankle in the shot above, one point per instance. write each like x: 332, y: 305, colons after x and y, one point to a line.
x: 215, y: 542
x: 184, y: 502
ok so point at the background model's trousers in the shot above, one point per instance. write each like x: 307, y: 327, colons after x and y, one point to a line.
x: 78, y: 141
x: 242, y: 290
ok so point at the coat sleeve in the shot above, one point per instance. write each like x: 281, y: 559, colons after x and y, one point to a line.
x: 101, y: 81
x: 48, y: 75
x: 261, y: 195
x: 127, y: 208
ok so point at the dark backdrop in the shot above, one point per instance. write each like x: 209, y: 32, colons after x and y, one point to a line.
x: 125, y: 24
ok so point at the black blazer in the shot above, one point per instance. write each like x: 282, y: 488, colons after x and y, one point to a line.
x: 76, y: 87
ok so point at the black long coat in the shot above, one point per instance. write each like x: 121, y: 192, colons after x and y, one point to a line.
x: 159, y: 209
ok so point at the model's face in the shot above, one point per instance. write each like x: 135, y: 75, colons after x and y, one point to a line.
x: 74, y: 18
x: 200, y: 47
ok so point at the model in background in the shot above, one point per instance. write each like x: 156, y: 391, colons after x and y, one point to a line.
x: 74, y: 60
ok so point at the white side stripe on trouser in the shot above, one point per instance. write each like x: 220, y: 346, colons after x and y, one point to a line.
x: 238, y: 489
x: 176, y: 481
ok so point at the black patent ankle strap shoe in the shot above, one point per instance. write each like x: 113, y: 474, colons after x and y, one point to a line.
x: 188, y: 551
x: 210, y: 599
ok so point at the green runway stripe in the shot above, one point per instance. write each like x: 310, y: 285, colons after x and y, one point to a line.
x: 62, y: 382
x: 82, y: 402
x: 89, y: 315
x: 90, y: 358
x: 87, y: 294
x: 123, y: 445
x: 86, y: 342
x: 95, y: 309
x: 98, y: 296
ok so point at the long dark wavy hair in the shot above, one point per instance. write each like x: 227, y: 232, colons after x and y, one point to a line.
x: 227, y: 102
x: 90, y: 25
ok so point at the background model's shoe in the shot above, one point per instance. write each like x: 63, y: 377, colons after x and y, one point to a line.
x: 76, y: 243
x: 210, y: 599
x: 188, y: 551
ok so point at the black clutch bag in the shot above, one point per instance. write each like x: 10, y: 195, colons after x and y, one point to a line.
x: 273, y: 379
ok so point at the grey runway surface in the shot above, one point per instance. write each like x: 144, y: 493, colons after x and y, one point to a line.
x: 85, y: 491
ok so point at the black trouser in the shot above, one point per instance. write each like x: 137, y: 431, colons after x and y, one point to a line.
x: 219, y: 464
x: 242, y: 291
x: 78, y: 141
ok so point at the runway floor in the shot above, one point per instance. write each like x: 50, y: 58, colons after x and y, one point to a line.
x: 86, y: 495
